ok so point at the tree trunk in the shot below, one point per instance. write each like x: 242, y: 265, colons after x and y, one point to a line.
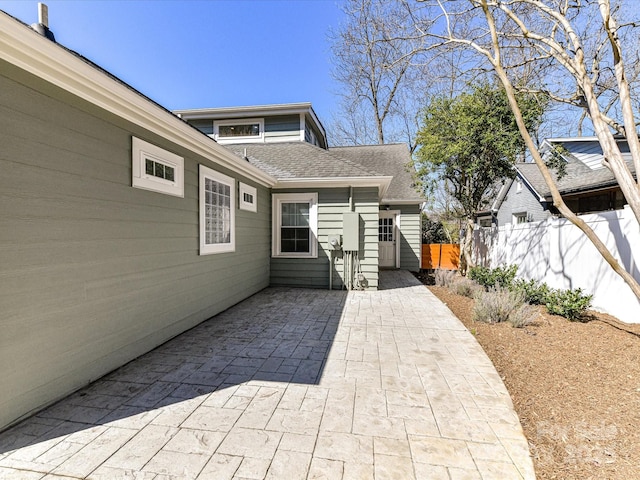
x: 557, y: 198
x: 466, y: 245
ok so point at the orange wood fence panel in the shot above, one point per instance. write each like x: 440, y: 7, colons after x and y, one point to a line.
x: 440, y: 255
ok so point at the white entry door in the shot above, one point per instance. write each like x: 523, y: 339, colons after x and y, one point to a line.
x: 387, y: 239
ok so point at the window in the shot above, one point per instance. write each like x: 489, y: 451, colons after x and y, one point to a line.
x: 156, y: 169
x: 217, y: 212
x: 248, y: 198
x: 239, y: 130
x: 295, y: 226
x: 520, y: 217
x: 159, y: 169
x: 518, y: 185
x: 385, y: 229
x: 485, y: 221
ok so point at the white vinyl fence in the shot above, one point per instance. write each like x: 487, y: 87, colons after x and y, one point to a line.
x: 555, y: 252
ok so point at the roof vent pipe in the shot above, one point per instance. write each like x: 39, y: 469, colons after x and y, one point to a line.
x: 42, y: 27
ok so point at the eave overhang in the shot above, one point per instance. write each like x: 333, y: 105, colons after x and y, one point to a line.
x: 381, y: 182
x: 33, y: 53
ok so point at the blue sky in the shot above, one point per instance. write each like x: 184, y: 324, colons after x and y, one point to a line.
x: 196, y: 54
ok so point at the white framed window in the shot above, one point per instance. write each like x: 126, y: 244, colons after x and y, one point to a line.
x: 520, y: 217
x: 239, y: 131
x: 156, y: 169
x: 295, y: 225
x: 217, y: 212
x: 485, y: 221
x: 248, y: 198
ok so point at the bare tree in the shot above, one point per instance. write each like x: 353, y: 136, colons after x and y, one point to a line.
x: 581, y: 44
x: 373, y: 54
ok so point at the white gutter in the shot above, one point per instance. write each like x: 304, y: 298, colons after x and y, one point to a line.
x: 396, y: 201
x: 26, y: 49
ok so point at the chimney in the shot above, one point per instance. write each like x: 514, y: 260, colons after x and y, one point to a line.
x: 42, y: 27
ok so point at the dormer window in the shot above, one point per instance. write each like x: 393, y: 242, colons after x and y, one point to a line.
x: 245, y: 130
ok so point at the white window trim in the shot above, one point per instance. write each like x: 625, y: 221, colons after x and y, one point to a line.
x: 244, y: 205
x: 140, y: 152
x: 278, y: 200
x: 207, y: 249
x: 240, y: 121
x: 518, y: 215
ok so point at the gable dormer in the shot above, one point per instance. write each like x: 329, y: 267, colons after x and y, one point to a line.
x: 292, y: 122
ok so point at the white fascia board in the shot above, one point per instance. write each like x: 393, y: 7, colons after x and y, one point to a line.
x: 524, y: 179
x: 382, y: 182
x: 495, y: 206
x: 239, y: 112
x: 571, y: 139
x: 28, y: 50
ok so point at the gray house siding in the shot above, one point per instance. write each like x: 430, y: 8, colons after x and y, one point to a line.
x: 282, y: 128
x: 94, y: 271
x: 410, y: 237
x: 282, y: 124
x: 332, y: 203
x: 525, y: 201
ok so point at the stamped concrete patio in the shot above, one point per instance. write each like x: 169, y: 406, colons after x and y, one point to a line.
x: 290, y: 384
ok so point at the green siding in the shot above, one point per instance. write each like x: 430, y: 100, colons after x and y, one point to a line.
x: 95, y: 272
x: 410, y: 237
x: 332, y: 203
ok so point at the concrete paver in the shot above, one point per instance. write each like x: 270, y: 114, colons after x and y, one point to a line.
x: 291, y: 384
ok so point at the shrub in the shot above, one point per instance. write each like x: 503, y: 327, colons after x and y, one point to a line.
x: 570, y: 304
x: 444, y: 278
x: 496, y: 305
x: 466, y: 287
x: 502, y: 276
x: 534, y: 293
x: 523, y: 315
x: 480, y: 275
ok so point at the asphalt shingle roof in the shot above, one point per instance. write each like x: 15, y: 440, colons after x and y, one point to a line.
x: 579, y: 177
x: 300, y: 160
x: 391, y: 159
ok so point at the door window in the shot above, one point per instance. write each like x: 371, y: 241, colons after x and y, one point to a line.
x: 385, y: 229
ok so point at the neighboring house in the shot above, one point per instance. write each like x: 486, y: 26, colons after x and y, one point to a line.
x: 587, y: 187
x: 123, y: 226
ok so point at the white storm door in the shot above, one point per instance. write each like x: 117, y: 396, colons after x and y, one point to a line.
x: 387, y: 239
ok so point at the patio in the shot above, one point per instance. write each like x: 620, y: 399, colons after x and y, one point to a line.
x: 290, y: 384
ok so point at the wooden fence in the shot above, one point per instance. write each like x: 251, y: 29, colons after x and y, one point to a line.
x: 440, y: 255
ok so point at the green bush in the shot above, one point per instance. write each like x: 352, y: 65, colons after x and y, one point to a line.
x: 534, y: 293
x: 570, y: 304
x: 502, y: 276
x: 479, y: 274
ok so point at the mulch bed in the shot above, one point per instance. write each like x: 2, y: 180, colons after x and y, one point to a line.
x: 575, y: 386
